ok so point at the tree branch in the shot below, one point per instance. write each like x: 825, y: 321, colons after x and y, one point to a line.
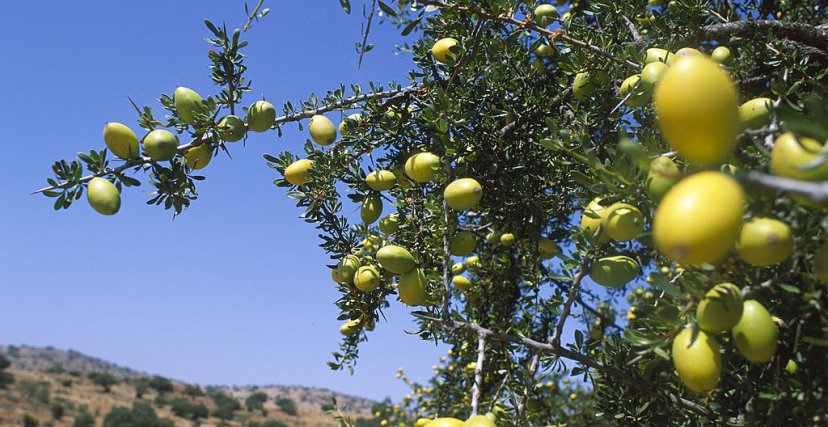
x: 478, y: 372
x: 817, y: 191
x: 573, y: 293
x: 802, y: 33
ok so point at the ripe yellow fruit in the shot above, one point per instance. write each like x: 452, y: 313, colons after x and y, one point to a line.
x: 347, y: 268
x: 688, y: 51
x: 721, y: 55
x: 661, y: 177
x: 819, y: 263
x: 764, y: 241
x: 322, y: 130
x: 380, y: 180
x: 792, y: 158
x: 462, y: 283
x: 697, y: 360
x: 548, y: 248
x: 720, y: 309
x: 614, y: 271
x: 652, y: 74
x: 445, y: 422
x: 121, y: 140
x: 395, y: 259
x: 297, y: 172
x: 463, y: 193
x: 655, y: 54
x: 442, y: 49
x: 347, y: 126
x: 755, y: 113
x: 592, y: 218
x: 261, y: 116
x: 755, y: 334
x: 188, y: 103
x: 472, y: 262
x: 462, y: 243
x: 103, y: 196
x: 479, y: 421
x: 349, y: 328
x: 160, y: 145
x: 422, y: 167
x: 544, y: 14
x: 458, y: 268
x: 685, y: 226
x: 507, y: 239
x: 367, y: 278
x: 389, y: 224
x: 199, y: 157
x: 697, y: 110
x: 639, y: 97
x: 336, y: 277
x: 421, y: 422
x: 371, y: 209
x: 411, y: 287
x: 623, y: 222
x: 231, y: 128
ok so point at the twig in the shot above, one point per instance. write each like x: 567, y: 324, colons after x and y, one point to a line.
x: 810, y: 35
x: 573, y: 293
x: 478, y: 372
x: 530, y: 382
x: 633, y: 31
x: 817, y: 191
x: 367, y: 30
x: 253, y: 15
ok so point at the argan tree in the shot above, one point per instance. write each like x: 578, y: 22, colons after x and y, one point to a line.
x: 630, y: 194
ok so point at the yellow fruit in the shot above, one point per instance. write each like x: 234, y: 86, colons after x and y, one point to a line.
x: 479, y: 421
x: 160, y: 145
x: 411, y: 286
x: 764, y: 241
x: 792, y: 158
x: 395, y: 259
x: 422, y: 167
x: 462, y: 243
x: 371, y: 209
x: 458, y: 268
x: 349, y: 328
x: 661, y: 177
x: 688, y: 51
x: 188, y: 103
x: 697, y: 110
x: 507, y: 239
x: 755, y: 334
x: 592, y: 218
x: 614, y: 271
x: 472, y: 262
x: 367, y: 278
x: 720, y: 55
x: 623, y: 222
x: 493, y: 237
x: 720, y: 309
x: 819, y: 263
x: 347, y: 126
x: 347, y: 268
x: 199, y: 157
x: 548, y: 248
x: 639, y: 97
x: 231, y: 128
x: 442, y: 49
x: 463, y: 193
x: 544, y: 14
x: 322, y: 130
x: 652, y: 74
x: 697, y: 360
x: 655, y: 54
x: 121, y: 140
x: 755, y: 113
x: 462, y: 283
x: 539, y: 66
x: 336, y: 277
x: 655, y: 3
x: 103, y: 196
x: 687, y: 228
x: 297, y: 172
x: 261, y: 116
x: 791, y: 367
x: 421, y: 422
x: 445, y: 422
x: 380, y: 180
x: 389, y: 224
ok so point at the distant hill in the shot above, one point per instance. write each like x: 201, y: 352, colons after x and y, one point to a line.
x: 48, y: 379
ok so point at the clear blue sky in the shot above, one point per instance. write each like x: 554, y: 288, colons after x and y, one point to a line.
x: 234, y: 291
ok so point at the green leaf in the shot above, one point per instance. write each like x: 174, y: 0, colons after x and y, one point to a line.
x: 387, y: 9
x: 346, y: 6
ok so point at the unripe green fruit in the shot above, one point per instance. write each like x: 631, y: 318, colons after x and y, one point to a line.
x: 411, y: 287
x: 371, y: 209
x: 652, y: 74
x: 721, y: 55
x: 655, y: 54
x: 463, y: 243
x: 755, y: 113
x: 462, y: 283
x: 545, y: 51
x: 819, y: 263
x: 592, y: 218
x: 463, y: 193
x: 336, y: 277
x: 623, y: 222
x: 297, y: 172
x: 697, y: 360
x: 422, y: 167
x: 791, y: 367
x: 661, y: 177
x: 199, y: 157
x: 764, y: 241
x: 614, y: 271
x: 720, y: 309
x: 160, y: 145
x: 639, y: 97
x: 103, y: 196
x: 458, y: 268
x: 493, y: 237
x: 548, y: 248
x: 261, y: 116
x: 347, y: 268
x: 349, y: 328
x: 367, y: 278
x: 544, y: 14
x: 231, y: 128
x: 121, y: 140
x: 322, y: 130
x: 395, y: 259
x: 755, y: 334
x: 188, y: 103
x: 585, y: 84
x: 389, y: 224
x: 380, y: 180
x: 347, y: 126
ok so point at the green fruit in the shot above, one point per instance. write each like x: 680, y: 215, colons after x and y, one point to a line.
x: 422, y: 167
x: 371, y: 209
x: 592, y: 218
x: 347, y: 268
x: 389, y: 224
x: 697, y: 360
x: 231, y: 128
x: 655, y: 54
x: 661, y: 177
x: 322, y: 130
x: 720, y: 55
x: 103, y: 196
x: 538, y: 65
x: 261, y: 116
x: 544, y: 14
x: 755, y: 113
x: 367, y: 278
x: 297, y: 172
x: 349, y: 328
x: 479, y: 421
x: 639, y: 97
x: 548, y: 248
x: 188, y: 103
x: 458, y: 268
x: 791, y: 367
x: 442, y: 49
x: 652, y: 74
x: 614, y: 271
x: 347, y: 126
x: 199, y: 157
x: 720, y: 309
x: 545, y: 51
x: 507, y: 239
x: 463, y: 193
x: 493, y: 237
x: 623, y: 222
x: 819, y: 263
x: 462, y: 283
x: 395, y: 259
x: 655, y: 3
x: 795, y: 158
x: 380, y: 180
x: 764, y: 241
x: 336, y: 277
x: 160, y: 145
x: 688, y: 51
x: 121, y: 140
x: 584, y: 84
x: 755, y: 334
x: 411, y: 287
x: 463, y: 243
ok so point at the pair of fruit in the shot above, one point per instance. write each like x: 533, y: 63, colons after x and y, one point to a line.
x: 619, y: 221
x: 190, y: 106
x: 411, y: 283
